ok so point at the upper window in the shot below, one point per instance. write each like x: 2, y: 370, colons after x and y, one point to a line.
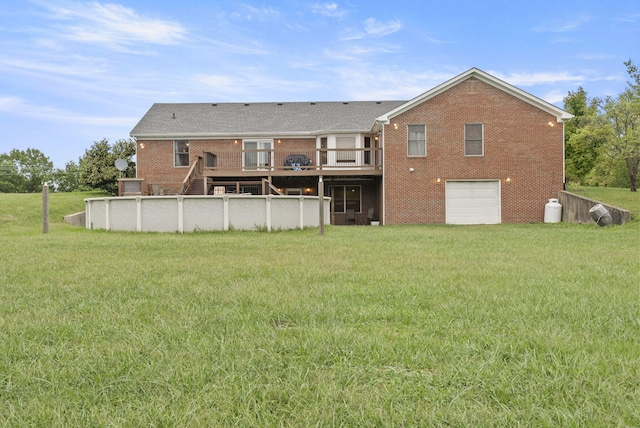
x: 323, y: 152
x: 346, y: 146
x: 257, y: 153
x: 416, y: 140
x: 473, y: 139
x: 181, y: 153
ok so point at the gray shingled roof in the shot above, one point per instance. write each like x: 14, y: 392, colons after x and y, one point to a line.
x: 252, y: 119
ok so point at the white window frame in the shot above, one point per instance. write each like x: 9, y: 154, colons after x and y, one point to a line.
x: 263, y: 159
x: 293, y: 191
x: 346, y: 157
x: 420, y: 143
x: 177, y: 153
x: 337, y: 159
x: 481, y: 139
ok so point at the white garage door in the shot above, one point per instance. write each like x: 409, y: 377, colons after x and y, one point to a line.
x: 473, y: 202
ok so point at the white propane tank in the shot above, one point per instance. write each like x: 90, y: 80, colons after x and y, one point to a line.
x: 553, y: 211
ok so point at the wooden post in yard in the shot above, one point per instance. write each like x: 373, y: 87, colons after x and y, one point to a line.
x: 321, y: 205
x: 45, y: 208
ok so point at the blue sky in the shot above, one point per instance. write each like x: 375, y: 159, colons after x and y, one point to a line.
x: 73, y: 72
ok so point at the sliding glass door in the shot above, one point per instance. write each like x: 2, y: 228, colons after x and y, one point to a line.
x: 257, y: 153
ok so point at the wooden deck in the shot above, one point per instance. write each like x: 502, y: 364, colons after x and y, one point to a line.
x: 263, y: 163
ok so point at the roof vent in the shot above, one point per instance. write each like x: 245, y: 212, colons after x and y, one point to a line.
x: 246, y: 105
x: 214, y: 105
x: 279, y: 104
x: 174, y: 116
x: 378, y: 102
x: 345, y: 103
x: 313, y: 104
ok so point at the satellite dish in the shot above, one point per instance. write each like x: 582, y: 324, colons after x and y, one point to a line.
x: 122, y: 164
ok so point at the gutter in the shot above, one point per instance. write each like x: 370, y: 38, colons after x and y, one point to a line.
x: 238, y: 135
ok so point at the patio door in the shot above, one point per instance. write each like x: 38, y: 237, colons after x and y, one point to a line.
x: 257, y: 153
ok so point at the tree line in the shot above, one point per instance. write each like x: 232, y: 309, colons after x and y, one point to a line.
x: 602, y: 148
x: 602, y: 140
x: 25, y: 171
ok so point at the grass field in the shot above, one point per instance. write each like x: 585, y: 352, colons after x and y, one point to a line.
x: 504, y: 325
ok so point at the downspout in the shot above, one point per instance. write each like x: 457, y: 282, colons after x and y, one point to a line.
x: 383, y: 204
x: 136, y: 155
x: 564, y: 154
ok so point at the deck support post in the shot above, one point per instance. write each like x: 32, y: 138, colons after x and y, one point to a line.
x: 138, y: 214
x: 45, y: 208
x: 225, y: 213
x: 320, y: 205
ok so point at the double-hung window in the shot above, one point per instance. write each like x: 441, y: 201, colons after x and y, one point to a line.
x: 181, y: 153
x: 473, y: 139
x: 416, y: 140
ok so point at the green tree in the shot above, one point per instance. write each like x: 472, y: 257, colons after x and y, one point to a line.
x: 603, y: 136
x: 622, y: 115
x: 582, y: 136
x: 10, y: 180
x: 67, y: 179
x: 97, y: 167
x: 24, y: 171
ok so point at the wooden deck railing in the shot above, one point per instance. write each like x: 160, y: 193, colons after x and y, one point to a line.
x: 292, y: 162
x: 196, y: 167
x: 274, y: 162
x: 255, y: 187
x: 270, y: 189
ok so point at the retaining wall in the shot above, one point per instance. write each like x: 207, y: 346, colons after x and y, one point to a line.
x: 575, y: 209
x: 77, y: 219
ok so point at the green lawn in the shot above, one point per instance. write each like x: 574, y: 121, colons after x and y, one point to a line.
x: 505, y: 325
x: 621, y: 198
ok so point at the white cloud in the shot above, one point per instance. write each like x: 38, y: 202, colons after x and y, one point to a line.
x: 561, y: 27
x: 357, y: 52
x: 251, y: 13
x: 561, y: 40
x: 554, y: 97
x: 434, y: 41
x: 216, y: 80
x: 8, y: 104
x: 331, y: 10
x: 77, y: 77
x: 243, y: 47
x: 387, y: 83
x: 20, y: 107
x: 115, y: 25
x: 530, y: 79
x: 630, y: 18
x: 249, y: 85
x: 375, y: 28
x: 72, y: 66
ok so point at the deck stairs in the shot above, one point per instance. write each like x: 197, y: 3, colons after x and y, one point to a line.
x: 197, y: 187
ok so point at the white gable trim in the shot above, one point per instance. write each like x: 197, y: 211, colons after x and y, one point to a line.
x: 560, y: 114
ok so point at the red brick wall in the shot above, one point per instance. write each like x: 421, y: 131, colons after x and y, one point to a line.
x: 519, y: 143
x: 155, y: 160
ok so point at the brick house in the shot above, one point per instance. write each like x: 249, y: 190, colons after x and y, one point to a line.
x: 471, y: 150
